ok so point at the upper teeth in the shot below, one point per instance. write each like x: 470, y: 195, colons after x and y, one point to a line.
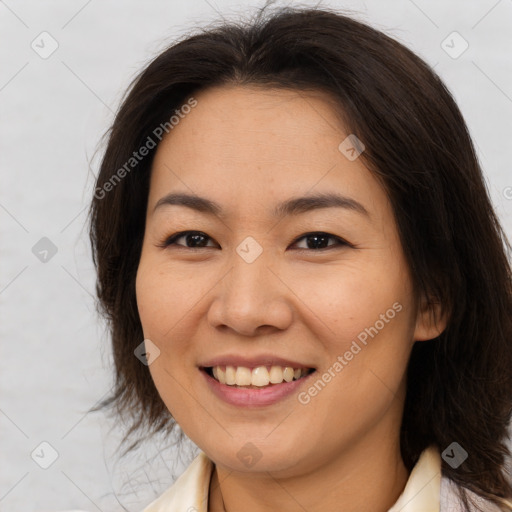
x: 259, y: 376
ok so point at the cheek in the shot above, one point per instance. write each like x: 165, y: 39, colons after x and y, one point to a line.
x: 164, y: 296
x: 162, y: 310
x: 368, y: 349
x: 149, y: 293
x: 342, y: 301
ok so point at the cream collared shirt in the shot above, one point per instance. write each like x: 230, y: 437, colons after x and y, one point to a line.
x: 426, y: 489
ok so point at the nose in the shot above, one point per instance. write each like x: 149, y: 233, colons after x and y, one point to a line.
x: 251, y: 299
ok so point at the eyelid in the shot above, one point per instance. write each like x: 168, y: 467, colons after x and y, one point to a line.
x: 170, y: 240
x: 340, y: 241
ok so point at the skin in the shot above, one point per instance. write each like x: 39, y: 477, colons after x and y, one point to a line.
x: 249, y: 148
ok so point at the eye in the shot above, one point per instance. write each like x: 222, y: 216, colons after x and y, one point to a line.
x: 319, y: 241
x: 196, y: 239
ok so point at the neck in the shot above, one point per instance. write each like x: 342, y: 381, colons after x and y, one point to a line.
x: 369, y: 476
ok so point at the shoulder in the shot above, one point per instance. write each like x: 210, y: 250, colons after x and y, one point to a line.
x: 450, y: 499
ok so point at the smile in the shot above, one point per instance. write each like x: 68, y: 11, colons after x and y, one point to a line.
x: 244, y: 386
x: 258, y: 377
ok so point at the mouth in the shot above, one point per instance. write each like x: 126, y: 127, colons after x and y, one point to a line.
x: 258, y: 377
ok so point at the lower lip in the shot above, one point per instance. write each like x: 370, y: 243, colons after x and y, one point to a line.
x: 251, y: 396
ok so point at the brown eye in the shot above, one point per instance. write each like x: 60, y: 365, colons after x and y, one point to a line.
x: 316, y: 241
x: 320, y: 241
x: 192, y: 239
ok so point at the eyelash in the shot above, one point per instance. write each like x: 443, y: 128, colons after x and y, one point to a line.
x: 171, y: 240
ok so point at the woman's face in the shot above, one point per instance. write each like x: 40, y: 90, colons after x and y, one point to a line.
x: 269, y: 281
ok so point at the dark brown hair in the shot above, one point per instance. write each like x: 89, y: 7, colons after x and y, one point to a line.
x: 459, y: 385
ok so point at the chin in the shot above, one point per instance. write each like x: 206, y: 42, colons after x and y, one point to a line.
x: 248, y: 456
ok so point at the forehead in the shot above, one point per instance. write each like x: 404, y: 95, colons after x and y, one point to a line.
x: 246, y: 119
x: 250, y: 145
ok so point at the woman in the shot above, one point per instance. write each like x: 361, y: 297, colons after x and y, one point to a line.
x: 302, y: 269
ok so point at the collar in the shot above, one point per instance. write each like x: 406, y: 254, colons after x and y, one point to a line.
x: 190, y: 491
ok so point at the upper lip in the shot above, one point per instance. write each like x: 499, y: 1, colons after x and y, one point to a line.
x: 252, y: 362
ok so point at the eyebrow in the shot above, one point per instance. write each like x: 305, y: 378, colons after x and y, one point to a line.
x: 293, y: 206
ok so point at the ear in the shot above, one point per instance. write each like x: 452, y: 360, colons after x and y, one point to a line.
x: 431, y: 319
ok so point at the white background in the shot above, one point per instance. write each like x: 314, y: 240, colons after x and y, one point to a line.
x: 55, y: 360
